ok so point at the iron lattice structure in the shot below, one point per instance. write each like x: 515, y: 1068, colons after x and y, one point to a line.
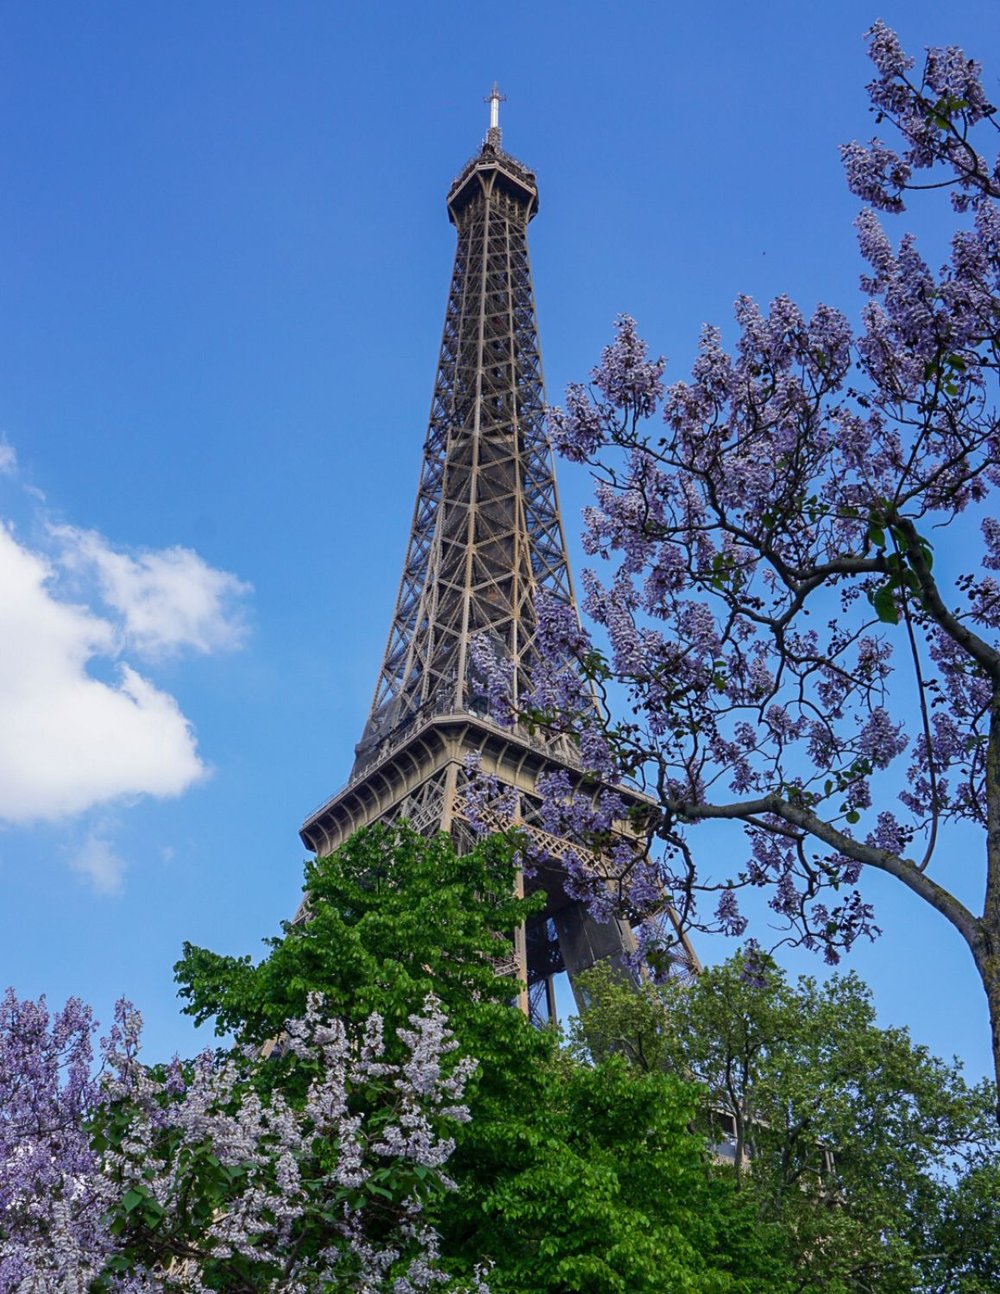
x: 486, y: 538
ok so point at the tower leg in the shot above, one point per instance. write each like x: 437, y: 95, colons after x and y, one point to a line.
x: 583, y: 941
x: 550, y: 998
x: 521, y: 951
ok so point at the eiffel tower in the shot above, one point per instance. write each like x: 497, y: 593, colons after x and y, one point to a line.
x: 486, y: 538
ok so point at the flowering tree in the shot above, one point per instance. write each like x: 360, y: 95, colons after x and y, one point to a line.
x: 222, y: 1181
x: 776, y: 613
x: 207, y: 1176
x: 328, y: 1163
x: 52, y: 1201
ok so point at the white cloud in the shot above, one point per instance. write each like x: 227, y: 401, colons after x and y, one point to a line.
x: 69, y: 741
x: 97, y: 861
x: 168, y: 599
x: 80, y: 727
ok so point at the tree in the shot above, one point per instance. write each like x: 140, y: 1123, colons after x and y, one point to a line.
x: 52, y: 1199
x: 216, y: 1178
x: 963, y: 1245
x: 387, y: 920
x: 198, y: 1176
x: 875, y: 1159
x: 778, y: 605
x: 567, y: 1177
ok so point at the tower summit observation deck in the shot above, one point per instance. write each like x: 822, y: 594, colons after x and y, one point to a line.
x: 485, y: 540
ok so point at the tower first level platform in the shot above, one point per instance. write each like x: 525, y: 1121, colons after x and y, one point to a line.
x: 423, y: 781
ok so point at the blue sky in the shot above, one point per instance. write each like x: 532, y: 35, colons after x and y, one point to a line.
x: 225, y: 258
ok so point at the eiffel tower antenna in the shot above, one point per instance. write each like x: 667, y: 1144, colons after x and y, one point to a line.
x: 485, y: 540
x: 494, y: 99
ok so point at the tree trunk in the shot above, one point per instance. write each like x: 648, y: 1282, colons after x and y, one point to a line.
x: 987, y: 953
x: 992, y: 987
x: 739, y: 1153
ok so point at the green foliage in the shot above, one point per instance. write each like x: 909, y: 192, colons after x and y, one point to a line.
x: 964, y: 1242
x: 599, y: 1185
x: 568, y: 1177
x: 846, y: 1136
x: 389, y: 918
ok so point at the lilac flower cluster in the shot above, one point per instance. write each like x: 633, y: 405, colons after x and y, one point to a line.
x: 53, y: 1196
x: 487, y: 804
x: 212, y: 1169
x: 494, y: 672
x: 625, y: 376
x: 630, y: 386
x: 428, y: 1094
x: 558, y: 684
x: 934, y: 115
x: 727, y: 913
x: 607, y: 866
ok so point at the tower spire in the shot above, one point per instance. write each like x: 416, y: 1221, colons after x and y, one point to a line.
x: 494, y: 99
x: 486, y: 540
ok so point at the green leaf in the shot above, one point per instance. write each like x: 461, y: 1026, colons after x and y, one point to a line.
x: 885, y: 605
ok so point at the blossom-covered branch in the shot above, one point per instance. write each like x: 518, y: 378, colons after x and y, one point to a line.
x: 776, y: 611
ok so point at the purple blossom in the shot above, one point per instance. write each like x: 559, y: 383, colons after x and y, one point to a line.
x: 888, y: 834
x: 578, y: 431
x: 494, y: 671
x: 991, y: 536
x: 727, y: 913
x: 950, y: 75
x: 934, y: 117
x: 885, y: 51
x: 755, y: 965
x: 875, y: 173
x: 52, y: 1195
x: 786, y: 899
x: 488, y: 804
x: 881, y: 740
x: 626, y: 377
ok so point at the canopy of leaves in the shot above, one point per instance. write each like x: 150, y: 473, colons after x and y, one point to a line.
x: 859, y: 1144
